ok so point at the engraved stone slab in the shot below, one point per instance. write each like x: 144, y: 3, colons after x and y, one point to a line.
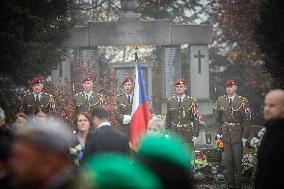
x: 156, y: 32
x: 171, y: 67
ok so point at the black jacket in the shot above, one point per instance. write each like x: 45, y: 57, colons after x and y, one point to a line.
x: 270, y: 157
x: 105, y: 139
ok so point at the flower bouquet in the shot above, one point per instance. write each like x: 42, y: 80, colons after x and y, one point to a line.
x: 76, y: 153
x: 199, y: 162
x: 204, y: 171
x: 220, y: 145
x: 248, y: 163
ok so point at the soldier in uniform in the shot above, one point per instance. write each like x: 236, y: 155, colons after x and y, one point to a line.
x: 87, y: 99
x: 123, y: 106
x: 233, y: 119
x: 37, y: 98
x: 182, y: 113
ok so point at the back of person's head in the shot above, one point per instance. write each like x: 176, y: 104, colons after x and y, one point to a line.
x: 100, y: 113
x: 45, y: 147
x: 51, y: 135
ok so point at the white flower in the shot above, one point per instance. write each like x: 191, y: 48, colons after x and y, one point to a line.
x: 73, y: 151
x: 79, y: 147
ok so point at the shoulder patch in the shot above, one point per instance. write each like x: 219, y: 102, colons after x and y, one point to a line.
x: 27, y: 94
x: 78, y: 93
x: 99, y: 94
x: 190, y: 97
x: 171, y: 98
x: 243, y: 98
x: 221, y: 97
x: 48, y: 94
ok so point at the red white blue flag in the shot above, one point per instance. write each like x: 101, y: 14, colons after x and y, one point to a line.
x: 140, y: 110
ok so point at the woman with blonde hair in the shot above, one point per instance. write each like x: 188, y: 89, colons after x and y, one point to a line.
x: 155, y: 126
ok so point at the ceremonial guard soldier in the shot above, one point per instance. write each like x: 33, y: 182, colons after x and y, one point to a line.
x: 87, y: 99
x: 37, y: 98
x: 123, y: 106
x: 233, y: 119
x: 182, y: 113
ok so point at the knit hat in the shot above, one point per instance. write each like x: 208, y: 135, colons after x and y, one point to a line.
x: 52, y: 135
x: 111, y: 171
x: 170, y: 147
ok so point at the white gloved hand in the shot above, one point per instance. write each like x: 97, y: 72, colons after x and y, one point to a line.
x: 219, y: 136
x: 194, y: 139
x: 254, y: 142
x: 244, y: 140
x: 126, y: 119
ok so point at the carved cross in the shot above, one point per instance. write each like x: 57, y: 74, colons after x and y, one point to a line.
x: 199, y: 56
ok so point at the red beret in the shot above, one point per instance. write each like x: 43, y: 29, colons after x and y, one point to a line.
x: 36, y: 80
x: 180, y: 82
x: 88, y: 78
x: 230, y: 83
x: 127, y: 79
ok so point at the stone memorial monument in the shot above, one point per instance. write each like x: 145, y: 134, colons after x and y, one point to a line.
x: 130, y: 30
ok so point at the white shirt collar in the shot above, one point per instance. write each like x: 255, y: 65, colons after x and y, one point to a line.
x: 181, y: 97
x: 232, y: 97
x: 127, y: 95
x: 105, y: 123
x: 39, y: 95
x: 88, y: 94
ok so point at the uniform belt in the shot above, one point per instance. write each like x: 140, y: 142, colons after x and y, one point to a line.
x: 232, y: 124
x: 182, y: 125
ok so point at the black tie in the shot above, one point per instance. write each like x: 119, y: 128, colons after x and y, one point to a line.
x: 230, y: 102
x: 129, y: 99
x: 87, y: 97
x: 179, y: 101
x: 37, y: 98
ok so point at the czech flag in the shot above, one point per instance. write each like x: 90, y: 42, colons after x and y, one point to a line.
x: 140, y: 110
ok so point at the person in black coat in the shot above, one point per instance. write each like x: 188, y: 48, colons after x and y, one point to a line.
x: 270, y: 166
x: 6, y: 136
x: 104, y: 138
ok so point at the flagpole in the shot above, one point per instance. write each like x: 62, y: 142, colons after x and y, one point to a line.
x: 131, y: 145
x: 136, y: 53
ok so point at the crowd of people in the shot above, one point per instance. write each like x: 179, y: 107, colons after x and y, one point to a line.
x: 40, y: 150
x: 38, y: 154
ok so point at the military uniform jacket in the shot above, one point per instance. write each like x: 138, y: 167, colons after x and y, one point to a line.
x: 234, y: 119
x: 85, y: 105
x: 122, y: 107
x: 183, y: 117
x: 30, y: 105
